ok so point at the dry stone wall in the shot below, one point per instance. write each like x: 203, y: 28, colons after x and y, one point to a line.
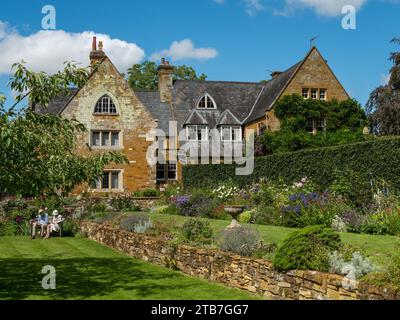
x: 252, y: 275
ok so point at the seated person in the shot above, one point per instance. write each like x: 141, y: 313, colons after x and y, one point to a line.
x: 42, y: 221
x: 54, y: 225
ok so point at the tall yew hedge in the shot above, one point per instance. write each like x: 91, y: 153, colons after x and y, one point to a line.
x: 377, y: 158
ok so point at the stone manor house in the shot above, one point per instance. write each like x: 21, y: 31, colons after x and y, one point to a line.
x: 119, y: 118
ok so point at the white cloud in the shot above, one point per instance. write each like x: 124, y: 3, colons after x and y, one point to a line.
x: 253, y: 7
x: 328, y: 8
x: 47, y: 50
x: 185, y: 49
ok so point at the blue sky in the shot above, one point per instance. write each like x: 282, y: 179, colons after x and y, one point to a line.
x: 240, y: 40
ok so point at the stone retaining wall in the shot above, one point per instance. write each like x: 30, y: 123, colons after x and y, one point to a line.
x: 252, y: 275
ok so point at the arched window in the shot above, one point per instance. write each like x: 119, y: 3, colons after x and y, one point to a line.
x: 105, y: 105
x: 206, y: 102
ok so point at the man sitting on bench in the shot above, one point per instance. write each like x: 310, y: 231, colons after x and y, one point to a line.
x: 42, y: 221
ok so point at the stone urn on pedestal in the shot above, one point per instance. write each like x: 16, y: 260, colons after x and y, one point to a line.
x: 234, y: 211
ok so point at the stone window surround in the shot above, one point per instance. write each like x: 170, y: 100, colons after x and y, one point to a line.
x: 120, y: 182
x: 320, y: 92
x: 114, y: 100
x: 167, y: 169
x: 121, y: 140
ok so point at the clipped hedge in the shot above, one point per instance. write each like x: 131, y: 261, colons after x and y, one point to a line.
x: 377, y: 158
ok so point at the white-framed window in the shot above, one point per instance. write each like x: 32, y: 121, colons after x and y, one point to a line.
x: 110, y: 181
x: 105, y: 105
x: 197, y: 132
x: 315, y: 124
x: 314, y: 93
x: 306, y: 93
x: 105, y: 138
x: 172, y: 171
x: 160, y: 172
x: 231, y: 133
x: 167, y: 171
x: 322, y: 94
x: 206, y: 102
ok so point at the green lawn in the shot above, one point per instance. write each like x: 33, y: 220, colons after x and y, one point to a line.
x: 377, y: 247
x: 87, y: 270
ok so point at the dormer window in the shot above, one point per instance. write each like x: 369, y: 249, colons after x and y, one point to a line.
x: 206, y: 102
x: 105, y: 105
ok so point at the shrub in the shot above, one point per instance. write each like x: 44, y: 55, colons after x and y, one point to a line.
x: 142, y: 227
x: 167, y: 209
x: 136, y: 222
x: 146, y: 193
x: 99, y: 206
x: 382, y: 223
x: 379, y: 158
x: 101, y: 217
x: 389, y: 276
x: 243, y: 240
x: 124, y: 204
x: 198, y: 205
x: 338, y: 224
x: 353, y: 186
x: 69, y: 228
x: 245, y: 217
x: 353, y: 220
x: 307, y: 249
x: 356, y: 268
x: 197, y: 230
x: 219, y: 213
x: 267, y: 215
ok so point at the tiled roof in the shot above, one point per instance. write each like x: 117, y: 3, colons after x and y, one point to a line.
x: 57, y: 104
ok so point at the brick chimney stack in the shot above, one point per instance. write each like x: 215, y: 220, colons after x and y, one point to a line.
x: 165, y: 72
x: 97, y: 53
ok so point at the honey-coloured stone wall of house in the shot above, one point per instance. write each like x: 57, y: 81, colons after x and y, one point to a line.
x: 314, y: 73
x: 132, y: 120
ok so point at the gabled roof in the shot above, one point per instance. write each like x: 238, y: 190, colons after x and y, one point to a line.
x: 195, y: 118
x: 57, y: 104
x: 228, y: 118
x: 271, y: 92
x: 159, y: 110
x: 274, y: 89
x: 237, y: 97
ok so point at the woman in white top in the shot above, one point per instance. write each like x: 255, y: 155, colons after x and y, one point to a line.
x: 54, y: 225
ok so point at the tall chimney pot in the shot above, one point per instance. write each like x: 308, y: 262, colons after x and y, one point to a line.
x: 94, y: 44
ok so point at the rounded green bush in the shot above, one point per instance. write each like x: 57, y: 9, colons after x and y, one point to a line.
x: 245, y: 217
x: 307, y: 249
x: 196, y: 230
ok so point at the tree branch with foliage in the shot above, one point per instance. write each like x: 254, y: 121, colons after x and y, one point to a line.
x: 383, y: 106
x: 144, y: 76
x: 37, y: 152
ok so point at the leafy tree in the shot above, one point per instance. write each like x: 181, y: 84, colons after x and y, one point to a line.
x: 37, y: 151
x: 145, y: 75
x: 383, y: 106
